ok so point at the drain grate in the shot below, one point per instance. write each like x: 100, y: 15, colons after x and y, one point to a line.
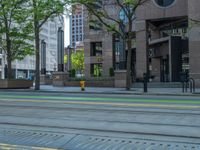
x: 33, y: 138
x: 103, y: 143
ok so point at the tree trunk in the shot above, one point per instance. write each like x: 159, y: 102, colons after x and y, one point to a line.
x: 37, y: 46
x: 128, y: 65
x: 37, y: 57
x: 128, y: 73
x: 9, y: 68
x: 9, y: 59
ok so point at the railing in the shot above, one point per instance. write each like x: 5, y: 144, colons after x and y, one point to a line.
x: 190, y: 83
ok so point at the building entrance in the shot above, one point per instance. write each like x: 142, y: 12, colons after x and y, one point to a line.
x: 164, y: 69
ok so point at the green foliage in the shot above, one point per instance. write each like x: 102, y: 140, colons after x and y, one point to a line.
x: 111, y: 72
x: 77, y: 60
x: 72, y: 73
x: 15, y: 30
x: 65, y: 59
x: 42, y: 11
x: 97, y: 71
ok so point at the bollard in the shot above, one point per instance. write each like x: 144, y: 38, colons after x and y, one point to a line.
x: 82, y: 85
x: 145, y: 82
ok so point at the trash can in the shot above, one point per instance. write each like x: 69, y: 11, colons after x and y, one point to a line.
x: 82, y: 85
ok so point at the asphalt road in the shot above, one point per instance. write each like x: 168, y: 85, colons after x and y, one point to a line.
x: 36, y: 120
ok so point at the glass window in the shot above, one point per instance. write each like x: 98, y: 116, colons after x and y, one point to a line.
x: 96, y: 48
x: 96, y: 70
x: 122, y: 16
x: 164, y: 3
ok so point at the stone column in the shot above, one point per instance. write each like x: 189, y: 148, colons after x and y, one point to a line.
x: 194, y: 40
x: 43, y: 57
x: 87, y: 58
x: 107, y: 57
x: 60, y: 50
x: 141, y: 48
x: 120, y: 78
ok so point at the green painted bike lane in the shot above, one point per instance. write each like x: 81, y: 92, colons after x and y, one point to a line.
x: 104, y: 99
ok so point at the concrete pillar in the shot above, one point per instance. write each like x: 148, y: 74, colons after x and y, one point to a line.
x: 43, y: 57
x: 87, y: 58
x: 194, y: 40
x: 107, y: 48
x: 60, y: 50
x: 141, y: 47
x: 28, y: 73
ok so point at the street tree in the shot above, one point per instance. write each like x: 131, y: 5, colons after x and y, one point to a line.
x: 15, y: 32
x: 77, y: 60
x: 41, y: 12
x: 121, y: 26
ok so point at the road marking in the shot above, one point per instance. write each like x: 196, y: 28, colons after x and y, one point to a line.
x: 115, y: 104
x: 107, y: 99
x: 17, y: 147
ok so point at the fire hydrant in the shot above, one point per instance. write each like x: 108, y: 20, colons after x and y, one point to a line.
x: 82, y: 85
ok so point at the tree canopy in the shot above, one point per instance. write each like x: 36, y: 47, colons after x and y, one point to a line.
x: 15, y: 31
x: 77, y: 60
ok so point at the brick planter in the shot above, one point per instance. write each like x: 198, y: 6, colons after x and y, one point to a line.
x: 15, y: 84
x: 107, y: 82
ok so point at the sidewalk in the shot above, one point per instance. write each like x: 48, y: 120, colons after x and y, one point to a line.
x: 137, y: 91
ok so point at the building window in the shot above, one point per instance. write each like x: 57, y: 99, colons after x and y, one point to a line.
x: 96, y: 48
x: 96, y: 70
x: 164, y: 3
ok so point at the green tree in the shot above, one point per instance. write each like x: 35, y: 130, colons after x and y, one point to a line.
x: 77, y: 60
x: 41, y: 12
x: 123, y: 26
x: 15, y: 31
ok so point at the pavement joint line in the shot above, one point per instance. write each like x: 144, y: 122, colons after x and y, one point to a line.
x: 12, y: 147
x: 108, y: 104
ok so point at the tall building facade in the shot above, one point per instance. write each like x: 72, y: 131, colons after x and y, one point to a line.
x: 26, y: 67
x: 76, y: 25
x: 166, y: 42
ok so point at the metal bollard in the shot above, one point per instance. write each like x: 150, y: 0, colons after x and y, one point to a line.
x: 145, y: 82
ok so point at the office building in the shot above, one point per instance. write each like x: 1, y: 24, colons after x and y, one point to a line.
x: 166, y: 43
x: 76, y: 25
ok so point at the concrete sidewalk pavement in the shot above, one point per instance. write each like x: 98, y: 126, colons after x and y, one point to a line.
x: 98, y: 90
x: 101, y: 90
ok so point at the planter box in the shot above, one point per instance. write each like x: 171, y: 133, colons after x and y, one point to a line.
x: 59, y: 78
x: 15, y: 84
x: 45, y: 80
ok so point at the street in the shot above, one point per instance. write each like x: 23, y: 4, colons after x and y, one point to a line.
x: 42, y: 120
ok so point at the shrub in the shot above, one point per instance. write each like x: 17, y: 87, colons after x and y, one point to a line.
x: 72, y: 73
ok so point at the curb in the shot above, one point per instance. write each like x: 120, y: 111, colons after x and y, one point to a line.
x: 87, y: 92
